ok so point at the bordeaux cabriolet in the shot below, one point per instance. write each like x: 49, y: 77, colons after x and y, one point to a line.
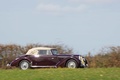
x: 48, y: 57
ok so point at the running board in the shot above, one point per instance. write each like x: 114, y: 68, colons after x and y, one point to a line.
x: 44, y: 66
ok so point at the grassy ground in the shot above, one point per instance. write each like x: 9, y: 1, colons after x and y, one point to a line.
x: 61, y: 74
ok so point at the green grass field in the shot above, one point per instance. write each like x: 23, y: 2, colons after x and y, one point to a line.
x: 61, y: 74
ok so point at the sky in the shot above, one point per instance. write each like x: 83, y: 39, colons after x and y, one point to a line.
x: 84, y: 25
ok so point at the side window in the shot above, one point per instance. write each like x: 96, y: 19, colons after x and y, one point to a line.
x: 54, y: 51
x: 49, y: 52
x: 43, y: 52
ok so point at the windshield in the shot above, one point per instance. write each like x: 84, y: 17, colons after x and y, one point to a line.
x: 54, y: 51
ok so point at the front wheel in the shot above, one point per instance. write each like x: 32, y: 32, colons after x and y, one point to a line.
x: 24, y: 65
x: 71, y: 64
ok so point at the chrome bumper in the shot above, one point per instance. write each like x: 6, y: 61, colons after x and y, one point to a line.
x: 8, y: 65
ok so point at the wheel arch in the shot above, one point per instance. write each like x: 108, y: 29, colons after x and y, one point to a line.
x: 30, y: 62
x: 76, y: 60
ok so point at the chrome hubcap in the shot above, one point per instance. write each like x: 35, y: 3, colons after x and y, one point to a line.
x: 24, y: 65
x: 71, y: 65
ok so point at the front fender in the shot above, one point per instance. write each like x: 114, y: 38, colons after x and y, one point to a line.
x: 63, y: 62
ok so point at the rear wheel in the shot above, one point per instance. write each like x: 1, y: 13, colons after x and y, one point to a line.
x: 24, y: 65
x: 71, y: 64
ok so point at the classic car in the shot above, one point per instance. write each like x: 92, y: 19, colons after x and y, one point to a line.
x: 48, y: 57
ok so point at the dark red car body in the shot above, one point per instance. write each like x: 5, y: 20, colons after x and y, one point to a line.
x: 50, y: 60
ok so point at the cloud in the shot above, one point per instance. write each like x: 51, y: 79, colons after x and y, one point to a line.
x: 93, y: 1
x: 58, y: 9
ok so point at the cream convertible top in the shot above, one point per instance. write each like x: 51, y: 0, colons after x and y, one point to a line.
x: 34, y: 51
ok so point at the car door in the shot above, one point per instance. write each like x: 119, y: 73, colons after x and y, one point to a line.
x: 47, y: 59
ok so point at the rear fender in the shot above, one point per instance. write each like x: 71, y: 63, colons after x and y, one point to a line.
x: 25, y: 59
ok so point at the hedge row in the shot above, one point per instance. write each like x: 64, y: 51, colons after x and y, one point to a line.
x: 107, y: 57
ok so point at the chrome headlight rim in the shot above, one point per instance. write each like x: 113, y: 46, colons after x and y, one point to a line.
x: 82, y: 60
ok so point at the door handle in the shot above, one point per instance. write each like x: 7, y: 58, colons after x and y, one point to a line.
x: 52, y: 58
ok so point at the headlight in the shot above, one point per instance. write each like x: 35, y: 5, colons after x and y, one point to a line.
x: 82, y: 60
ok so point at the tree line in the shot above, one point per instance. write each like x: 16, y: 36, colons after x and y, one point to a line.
x: 107, y: 57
